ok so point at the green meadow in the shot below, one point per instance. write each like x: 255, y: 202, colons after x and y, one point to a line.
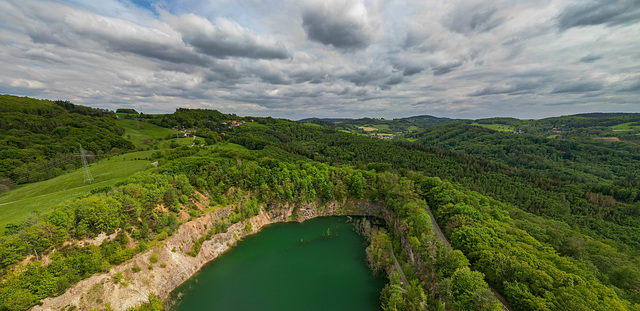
x: 20, y: 202
x: 136, y: 131
x: 497, y: 127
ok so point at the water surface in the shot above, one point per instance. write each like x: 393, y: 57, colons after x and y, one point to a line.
x: 317, y: 265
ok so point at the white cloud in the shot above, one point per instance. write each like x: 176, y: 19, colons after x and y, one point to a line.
x: 350, y: 58
x: 225, y: 39
x: 24, y: 83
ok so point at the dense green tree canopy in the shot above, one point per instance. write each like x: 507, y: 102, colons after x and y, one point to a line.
x: 39, y: 139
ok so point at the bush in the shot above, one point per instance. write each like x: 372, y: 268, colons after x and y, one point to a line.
x: 117, y: 277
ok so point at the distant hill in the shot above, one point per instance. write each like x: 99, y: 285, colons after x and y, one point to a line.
x: 426, y: 116
x: 605, y: 114
x: 381, y: 126
x: 325, y: 119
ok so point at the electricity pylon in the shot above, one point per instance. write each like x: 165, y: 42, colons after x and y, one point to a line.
x: 88, y: 178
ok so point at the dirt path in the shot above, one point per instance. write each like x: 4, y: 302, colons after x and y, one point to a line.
x: 436, y: 229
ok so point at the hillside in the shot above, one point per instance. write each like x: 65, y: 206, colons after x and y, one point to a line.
x: 142, y: 133
x: 549, y: 223
x: 40, y: 138
x: 381, y: 126
x: 623, y: 126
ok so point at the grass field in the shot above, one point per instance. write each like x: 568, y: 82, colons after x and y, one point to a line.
x: 368, y: 128
x: 381, y: 127
x: 497, y: 127
x: 20, y: 202
x: 148, y: 130
x: 188, y: 141
x: 629, y: 126
x: 17, y: 204
x: 553, y: 136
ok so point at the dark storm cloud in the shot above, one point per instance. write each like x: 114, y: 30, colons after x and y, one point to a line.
x: 331, y: 30
x: 155, y: 50
x: 271, y: 76
x: 442, y: 69
x: 365, y: 76
x: 73, y: 29
x: 591, y: 58
x: 631, y: 87
x: 412, y: 70
x: 226, y: 39
x: 311, y: 76
x: 597, y: 12
x: 342, y: 24
x: 578, y: 87
x: 394, y: 79
x: 407, y: 67
x: 469, y: 19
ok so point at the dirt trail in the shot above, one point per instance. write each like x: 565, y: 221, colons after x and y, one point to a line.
x: 436, y: 229
x: 398, y: 268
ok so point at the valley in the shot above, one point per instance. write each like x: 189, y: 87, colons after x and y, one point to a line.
x: 547, y: 223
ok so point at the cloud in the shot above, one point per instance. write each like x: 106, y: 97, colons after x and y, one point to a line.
x: 633, y: 86
x: 591, y: 58
x: 226, y: 38
x: 28, y: 84
x: 336, y: 58
x: 74, y: 28
x: 599, y: 12
x: 341, y: 24
x: 441, y: 69
x: 519, y: 87
x: 412, y: 70
x: 475, y: 18
x: 578, y: 87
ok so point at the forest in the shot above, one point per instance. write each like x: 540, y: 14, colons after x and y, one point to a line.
x: 40, y: 139
x: 549, y: 223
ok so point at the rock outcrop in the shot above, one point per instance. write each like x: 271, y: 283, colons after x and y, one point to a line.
x: 175, y: 266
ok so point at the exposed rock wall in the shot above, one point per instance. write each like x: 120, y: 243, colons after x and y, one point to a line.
x: 100, y: 291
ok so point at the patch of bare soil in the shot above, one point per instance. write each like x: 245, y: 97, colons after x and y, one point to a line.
x: 608, y: 138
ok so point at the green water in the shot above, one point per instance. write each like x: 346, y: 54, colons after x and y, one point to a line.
x: 288, y: 266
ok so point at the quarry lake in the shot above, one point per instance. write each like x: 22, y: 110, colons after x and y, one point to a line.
x: 316, y: 265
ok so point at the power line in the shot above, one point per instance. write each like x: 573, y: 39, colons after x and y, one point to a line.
x: 88, y: 178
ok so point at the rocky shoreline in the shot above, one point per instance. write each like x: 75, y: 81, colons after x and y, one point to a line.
x: 101, y: 291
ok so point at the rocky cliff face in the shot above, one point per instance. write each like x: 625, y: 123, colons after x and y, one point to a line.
x: 100, y: 291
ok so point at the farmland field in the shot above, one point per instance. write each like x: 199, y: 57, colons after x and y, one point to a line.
x: 368, y: 128
x: 629, y: 126
x: 497, y: 127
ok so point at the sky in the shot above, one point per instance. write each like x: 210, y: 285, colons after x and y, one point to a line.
x: 337, y: 58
